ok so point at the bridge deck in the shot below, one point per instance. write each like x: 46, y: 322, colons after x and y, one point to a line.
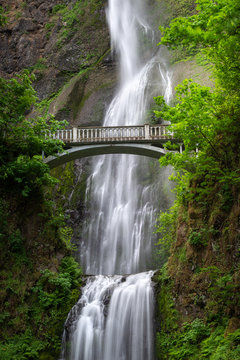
x: 115, y: 134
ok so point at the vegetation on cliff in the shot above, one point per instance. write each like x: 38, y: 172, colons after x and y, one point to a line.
x: 203, y: 269
x: 39, y: 279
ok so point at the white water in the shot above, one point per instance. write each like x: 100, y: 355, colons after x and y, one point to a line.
x: 113, y: 319
x: 127, y: 332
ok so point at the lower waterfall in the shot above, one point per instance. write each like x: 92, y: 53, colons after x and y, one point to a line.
x: 113, y: 319
x: 105, y: 325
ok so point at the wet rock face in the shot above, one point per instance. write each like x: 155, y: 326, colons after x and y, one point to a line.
x: 22, y: 40
x: 37, y: 31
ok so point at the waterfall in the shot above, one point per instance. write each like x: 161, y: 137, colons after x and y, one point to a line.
x: 113, y: 318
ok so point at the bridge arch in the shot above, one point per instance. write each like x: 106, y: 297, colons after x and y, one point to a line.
x: 78, y: 152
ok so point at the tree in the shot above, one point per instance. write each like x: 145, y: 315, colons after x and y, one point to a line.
x: 208, y: 119
x: 215, y: 29
x: 22, y: 139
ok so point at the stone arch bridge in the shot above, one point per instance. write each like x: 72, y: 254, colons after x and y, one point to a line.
x: 146, y: 140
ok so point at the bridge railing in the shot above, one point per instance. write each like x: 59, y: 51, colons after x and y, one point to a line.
x: 114, y: 133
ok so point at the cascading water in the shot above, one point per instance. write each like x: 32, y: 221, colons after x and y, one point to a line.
x: 113, y: 318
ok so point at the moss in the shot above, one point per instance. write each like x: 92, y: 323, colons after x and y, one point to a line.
x: 166, y: 312
x: 213, y: 337
x: 65, y: 175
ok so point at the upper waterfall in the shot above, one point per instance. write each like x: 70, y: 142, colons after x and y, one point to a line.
x: 123, y: 17
x: 117, y: 237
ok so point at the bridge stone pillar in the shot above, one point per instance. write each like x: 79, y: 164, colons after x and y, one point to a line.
x: 74, y: 134
x: 147, y: 131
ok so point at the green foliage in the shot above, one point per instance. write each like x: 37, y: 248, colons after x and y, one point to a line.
x: 3, y: 17
x: 198, y: 238
x: 71, y: 16
x: 186, y: 341
x: 207, y: 121
x: 57, y: 8
x: 41, y: 64
x: 16, y: 241
x: 166, y: 230
x: 165, y: 304
x: 23, y: 140
x: 202, y: 119
x: 53, y: 289
x: 66, y: 234
x: 181, y: 8
x: 34, y: 304
x: 215, y: 29
x: 44, y: 313
x: 49, y: 26
x: 196, y: 341
x: 22, y: 347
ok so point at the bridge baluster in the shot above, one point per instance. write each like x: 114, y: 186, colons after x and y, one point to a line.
x: 74, y: 134
x: 151, y: 131
x: 146, y: 131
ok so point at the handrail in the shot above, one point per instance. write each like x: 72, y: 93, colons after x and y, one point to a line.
x: 113, y: 134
